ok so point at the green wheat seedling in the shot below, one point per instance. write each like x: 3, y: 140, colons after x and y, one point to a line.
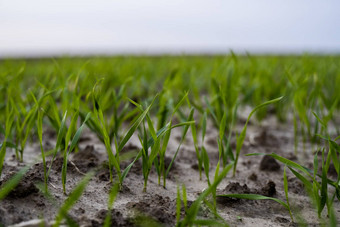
x: 6, y: 132
x: 120, y: 113
x: 40, y: 135
x: 16, y: 127
x: 161, y: 165
x: 223, y: 109
x: 242, y: 136
x: 191, y: 216
x: 119, y: 116
x: 113, y: 161
x: 114, y: 158
x: 285, y: 186
x: 40, y: 116
x: 205, y: 158
x: 60, y: 144
x: 112, y: 196
x: 70, y: 131
x: 128, y: 135
x: 197, y: 149
x: 178, y: 205
x: 72, y: 198
x: 332, y: 145
x: 186, y: 125
x: 333, y: 155
x: 154, y: 143
x: 148, y: 159
x: 25, y: 129
x: 181, y: 199
x: 228, y: 153
x: 73, y: 144
x: 201, y: 152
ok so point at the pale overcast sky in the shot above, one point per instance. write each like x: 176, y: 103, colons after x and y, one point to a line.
x: 40, y: 27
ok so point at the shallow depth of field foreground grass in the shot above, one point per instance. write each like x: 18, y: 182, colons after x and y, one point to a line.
x: 185, y: 140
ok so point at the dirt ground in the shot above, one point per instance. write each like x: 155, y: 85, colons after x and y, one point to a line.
x: 255, y: 174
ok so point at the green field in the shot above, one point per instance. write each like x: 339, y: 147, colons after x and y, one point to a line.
x: 117, y: 98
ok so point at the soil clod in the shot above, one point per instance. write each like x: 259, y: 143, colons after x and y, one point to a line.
x: 26, y: 186
x: 236, y: 188
x: 232, y: 188
x: 159, y: 208
x: 269, y: 163
x: 117, y: 219
x: 86, y: 159
x: 269, y: 189
x: 253, y: 177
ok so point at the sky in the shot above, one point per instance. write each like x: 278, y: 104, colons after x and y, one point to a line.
x: 76, y: 27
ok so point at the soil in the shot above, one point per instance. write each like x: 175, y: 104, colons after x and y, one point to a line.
x: 255, y: 174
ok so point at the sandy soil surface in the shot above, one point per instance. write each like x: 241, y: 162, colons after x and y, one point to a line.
x: 255, y: 174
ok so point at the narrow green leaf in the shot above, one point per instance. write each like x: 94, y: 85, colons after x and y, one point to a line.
x: 178, y: 205
x: 223, y: 125
x: 77, y: 135
x: 184, y: 133
x: 285, y: 186
x: 13, y: 182
x: 204, y: 126
x: 308, y: 185
x: 242, y: 136
x: 134, y: 126
x: 73, y: 198
x: 193, y: 210
x: 112, y: 196
x: 286, y: 162
x: 205, y: 159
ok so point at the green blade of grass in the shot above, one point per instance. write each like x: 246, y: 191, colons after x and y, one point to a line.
x: 60, y: 137
x: 65, y: 154
x: 204, y: 126
x: 193, y: 210
x: 134, y: 126
x: 112, y: 196
x: 184, y: 133
x: 127, y: 169
x: 39, y: 127
x: 305, y: 181
x: 13, y: 182
x: 78, y: 133
x: 242, y: 136
x: 73, y: 198
x: 178, y: 205
x: 286, y: 162
x: 205, y: 159
x: 285, y: 186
